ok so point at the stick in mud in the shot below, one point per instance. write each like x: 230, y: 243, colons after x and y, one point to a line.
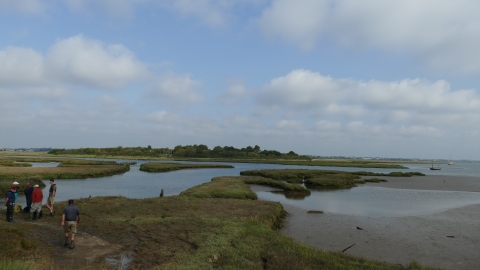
x: 348, y: 247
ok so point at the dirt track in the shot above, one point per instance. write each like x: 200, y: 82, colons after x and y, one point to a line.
x: 88, y: 249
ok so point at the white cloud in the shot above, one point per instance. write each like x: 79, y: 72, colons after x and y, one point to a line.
x: 76, y: 60
x: 89, y: 62
x: 159, y: 116
x: 303, y: 89
x: 303, y: 93
x: 178, y: 87
x: 24, y: 6
x: 21, y: 66
x: 300, y: 21
x: 115, y: 8
x: 235, y: 94
x: 441, y: 34
x: 324, y: 125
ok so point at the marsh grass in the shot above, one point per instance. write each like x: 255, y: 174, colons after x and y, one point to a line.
x: 185, y: 232
x: 68, y: 172
x: 167, y: 167
x: 324, y: 179
x: 288, y: 189
x: 11, y: 163
x: 5, y: 183
x: 316, y: 162
x: 221, y: 187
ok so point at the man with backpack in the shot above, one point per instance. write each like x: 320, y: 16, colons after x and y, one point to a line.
x: 10, y: 203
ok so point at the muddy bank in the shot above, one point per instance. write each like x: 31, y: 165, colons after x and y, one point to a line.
x: 447, y: 239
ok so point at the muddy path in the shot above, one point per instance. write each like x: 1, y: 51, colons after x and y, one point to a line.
x: 89, y: 250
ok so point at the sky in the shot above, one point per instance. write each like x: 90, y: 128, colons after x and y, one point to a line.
x: 371, y: 78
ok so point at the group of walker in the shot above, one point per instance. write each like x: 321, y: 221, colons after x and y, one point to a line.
x: 34, y: 198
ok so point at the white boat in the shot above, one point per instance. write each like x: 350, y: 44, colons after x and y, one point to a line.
x: 450, y: 162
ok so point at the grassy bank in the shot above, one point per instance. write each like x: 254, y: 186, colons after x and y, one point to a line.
x: 178, y: 232
x: 323, y: 179
x: 7, y: 182
x: 167, y: 167
x: 317, y: 162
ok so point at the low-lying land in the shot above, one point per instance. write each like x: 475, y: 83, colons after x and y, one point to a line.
x: 317, y: 162
x: 167, y: 167
x: 283, y: 161
x: 68, y: 169
x: 178, y: 232
x: 324, y: 179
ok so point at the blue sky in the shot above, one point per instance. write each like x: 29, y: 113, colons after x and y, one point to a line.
x: 343, y: 78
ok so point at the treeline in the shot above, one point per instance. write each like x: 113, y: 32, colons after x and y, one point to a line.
x: 202, y: 151
x: 116, y: 151
x: 187, y: 151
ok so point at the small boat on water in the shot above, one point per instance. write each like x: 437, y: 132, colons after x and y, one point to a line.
x: 435, y: 168
x: 450, y: 162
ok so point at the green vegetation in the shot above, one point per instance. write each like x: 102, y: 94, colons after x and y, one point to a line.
x: 69, y: 172
x: 167, y: 167
x: 323, y: 179
x: 288, y: 189
x: 222, y: 187
x: 5, y: 162
x: 323, y: 163
x: 201, y: 153
x: 5, y: 183
x: 68, y: 169
x: 180, y: 232
x: 187, y: 151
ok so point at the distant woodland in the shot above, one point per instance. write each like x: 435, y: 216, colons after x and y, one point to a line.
x: 187, y: 151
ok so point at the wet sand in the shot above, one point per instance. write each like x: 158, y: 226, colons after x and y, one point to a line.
x: 448, y: 239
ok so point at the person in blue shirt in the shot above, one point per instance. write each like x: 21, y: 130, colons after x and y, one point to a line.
x: 10, y: 203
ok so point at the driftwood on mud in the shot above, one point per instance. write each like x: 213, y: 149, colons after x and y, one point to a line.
x: 348, y: 247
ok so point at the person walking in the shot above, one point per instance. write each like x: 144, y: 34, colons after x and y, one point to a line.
x: 70, y: 219
x: 10, y: 203
x: 51, y: 196
x: 28, y: 196
x: 37, y: 198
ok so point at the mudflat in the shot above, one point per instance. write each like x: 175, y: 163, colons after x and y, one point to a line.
x: 449, y: 239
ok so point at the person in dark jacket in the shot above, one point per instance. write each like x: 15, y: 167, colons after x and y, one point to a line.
x: 28, y: 196
x: 10, y: 203
x: 70, y: 219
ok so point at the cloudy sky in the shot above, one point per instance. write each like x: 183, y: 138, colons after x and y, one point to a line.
x: 344, y: 78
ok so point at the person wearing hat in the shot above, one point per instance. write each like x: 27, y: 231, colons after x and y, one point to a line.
x: 10, y: 203
x: 28, y: 196
x: 15, y: 186
x: 37, y: 198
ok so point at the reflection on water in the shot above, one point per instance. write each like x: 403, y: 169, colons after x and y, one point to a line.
x: 378, y: 202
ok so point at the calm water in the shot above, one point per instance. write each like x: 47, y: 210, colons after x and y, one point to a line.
x: 359, y: 201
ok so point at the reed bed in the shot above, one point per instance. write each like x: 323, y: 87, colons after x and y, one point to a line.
x: 155, y: 167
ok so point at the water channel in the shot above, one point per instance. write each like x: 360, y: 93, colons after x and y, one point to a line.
x: 359, y: 201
